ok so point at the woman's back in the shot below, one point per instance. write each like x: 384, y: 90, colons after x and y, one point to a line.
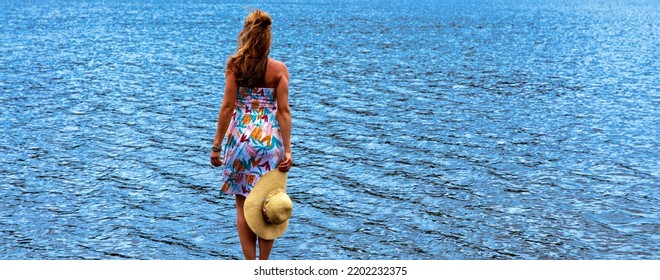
x: 275, y: 70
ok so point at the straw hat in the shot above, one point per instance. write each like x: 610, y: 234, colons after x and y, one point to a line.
x: 267, y: 208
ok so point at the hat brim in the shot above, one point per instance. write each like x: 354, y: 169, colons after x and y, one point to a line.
x: 252, y: 207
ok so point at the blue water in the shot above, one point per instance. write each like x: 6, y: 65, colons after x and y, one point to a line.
x: 421, y: 129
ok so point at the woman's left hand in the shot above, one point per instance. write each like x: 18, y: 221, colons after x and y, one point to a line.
x: 286, y: 163
x: 215, y: 159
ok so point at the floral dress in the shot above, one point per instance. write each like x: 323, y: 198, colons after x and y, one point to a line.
x: 254, y: 142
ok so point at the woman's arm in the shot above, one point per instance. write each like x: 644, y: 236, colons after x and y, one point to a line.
x: 225, y: 113
x: 284, y: 117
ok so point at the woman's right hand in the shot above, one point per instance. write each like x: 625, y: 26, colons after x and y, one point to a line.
x: 215, y: 159
x: 286, y: 162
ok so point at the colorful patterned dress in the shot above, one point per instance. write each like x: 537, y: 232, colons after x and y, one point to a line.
x: 254, y: 142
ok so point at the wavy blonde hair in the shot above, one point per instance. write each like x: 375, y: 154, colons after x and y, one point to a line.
x: 250, y: 60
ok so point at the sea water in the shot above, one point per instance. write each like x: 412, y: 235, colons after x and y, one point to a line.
x: 421, y: 129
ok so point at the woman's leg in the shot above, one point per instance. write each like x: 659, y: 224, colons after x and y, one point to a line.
x: 264, y: 248
x: 247, y: 237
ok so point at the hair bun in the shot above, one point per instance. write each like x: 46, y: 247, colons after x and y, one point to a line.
x: 266, y: 22
x: 258, y: 18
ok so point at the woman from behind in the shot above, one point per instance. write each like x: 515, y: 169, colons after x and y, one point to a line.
x: 255, y: 117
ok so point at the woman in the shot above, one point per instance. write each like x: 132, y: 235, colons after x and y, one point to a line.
x: 255, y: 108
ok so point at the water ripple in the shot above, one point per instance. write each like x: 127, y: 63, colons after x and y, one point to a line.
x: 421, y: 130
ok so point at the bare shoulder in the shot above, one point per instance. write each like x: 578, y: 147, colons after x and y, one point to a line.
x: 277, y: 66
x: 276, y: 71
x: 229, y: 67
